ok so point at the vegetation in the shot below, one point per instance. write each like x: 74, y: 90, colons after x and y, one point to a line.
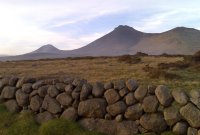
x: 25, y: 124
x: 129, y: 59
x: 175, y: 71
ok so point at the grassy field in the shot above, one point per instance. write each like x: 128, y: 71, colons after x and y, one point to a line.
x: 105, y: 69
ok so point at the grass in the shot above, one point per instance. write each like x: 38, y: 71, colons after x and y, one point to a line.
x: 25, y: 124
x: 106, y: 69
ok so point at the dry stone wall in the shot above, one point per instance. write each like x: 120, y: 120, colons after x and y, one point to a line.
x: 115, y: 108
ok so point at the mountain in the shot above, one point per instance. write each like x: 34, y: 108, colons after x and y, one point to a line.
x: 180, y: 40
x: 47, y: 49
x: 126, y: 40
x: 117, y: 42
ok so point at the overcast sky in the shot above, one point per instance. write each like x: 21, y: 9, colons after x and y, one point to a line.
x: 26, y: 25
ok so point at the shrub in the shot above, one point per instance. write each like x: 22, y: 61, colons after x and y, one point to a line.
x: 129, y: 59
x: 141, y: 54
x: 179, y: 65
x: 158, y: 73
x: 196, y: 57
x: 24, y: 124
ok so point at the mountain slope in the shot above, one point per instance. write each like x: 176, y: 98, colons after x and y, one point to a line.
x: 47, y: 49
x: 179, y: 40
x: 126, y: 40
x: 117, y: 42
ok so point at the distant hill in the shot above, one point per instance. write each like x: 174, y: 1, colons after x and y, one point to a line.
x: 47, y: 49
x: 126, y: 40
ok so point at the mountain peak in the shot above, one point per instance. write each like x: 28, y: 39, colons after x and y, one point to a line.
x: 47, y: 49
x: 125, y: 28
x: 181, y: 29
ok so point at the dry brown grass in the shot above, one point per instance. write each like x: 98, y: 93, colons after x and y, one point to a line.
x: 93, y: 69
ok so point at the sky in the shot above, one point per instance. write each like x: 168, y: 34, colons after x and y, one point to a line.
x: 26, y: 25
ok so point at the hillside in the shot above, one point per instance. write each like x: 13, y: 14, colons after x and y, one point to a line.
x: 126, y: 40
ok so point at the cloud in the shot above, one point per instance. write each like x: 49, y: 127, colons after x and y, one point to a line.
x: 26, y: 25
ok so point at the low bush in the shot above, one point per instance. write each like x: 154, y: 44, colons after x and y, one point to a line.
x: 141, y: 54
x: 179, y: 65
x: 159, y: 73
x: 24, y: 124
x: 129, y: 59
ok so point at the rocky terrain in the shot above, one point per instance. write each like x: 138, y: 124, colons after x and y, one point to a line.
x: 115, y: 108
x: 125, y: 40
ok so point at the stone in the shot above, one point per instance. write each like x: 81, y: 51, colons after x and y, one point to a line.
x: 36, y: 103
x: 44, y: 117
x: 163, y: 95
x: 191, y: 114
x: 171, y: 115
x: 12, y: 106
x: 85, y: 92
x: 60, y: 86
x: 92, y: 108
x: 196, y: 101
x: 42, y: 91
x: 150, y: 133
x: 192, y: 131
x: 123, y: 92
x: 50, y: 104
x: 180, y: 97
x: 78, y: 81
x: 52, y: 91
x: 118, y: 85
x: 27, y: 88
x: 68, y: 80
x: 51, y: 81
x: 38, y: 84
x: 70, y: 114
x: 151, y: 89
x: 142, y: 130
x: 180, y: 128
x: 22, y: 98
x: 119, y: 118
x: 98, y: 90
x: 110, y: 127
x: 78, y: 88
x: 108, y: 117
x: 127, y: 128
x: 116, y: 108
x: 134, y: 112
x: 132, y: 85
x: 153, y: 122
x: 75, y: 104
x: 8, y: 92
x: 195, y: 94
x: 33, y: 93
x: 64, y: 99
x: 24, y: 80
x: 111, y: 96
x: 130, y: 99
x: 75, y: 95
x: 13, y: 81
x: 3, y: 82
x: 150, y: 104
x: 108, y: 85
x: 69, y: 88
x: 140, y: 92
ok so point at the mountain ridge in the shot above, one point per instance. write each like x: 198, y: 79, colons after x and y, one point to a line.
x: 126, y: 40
